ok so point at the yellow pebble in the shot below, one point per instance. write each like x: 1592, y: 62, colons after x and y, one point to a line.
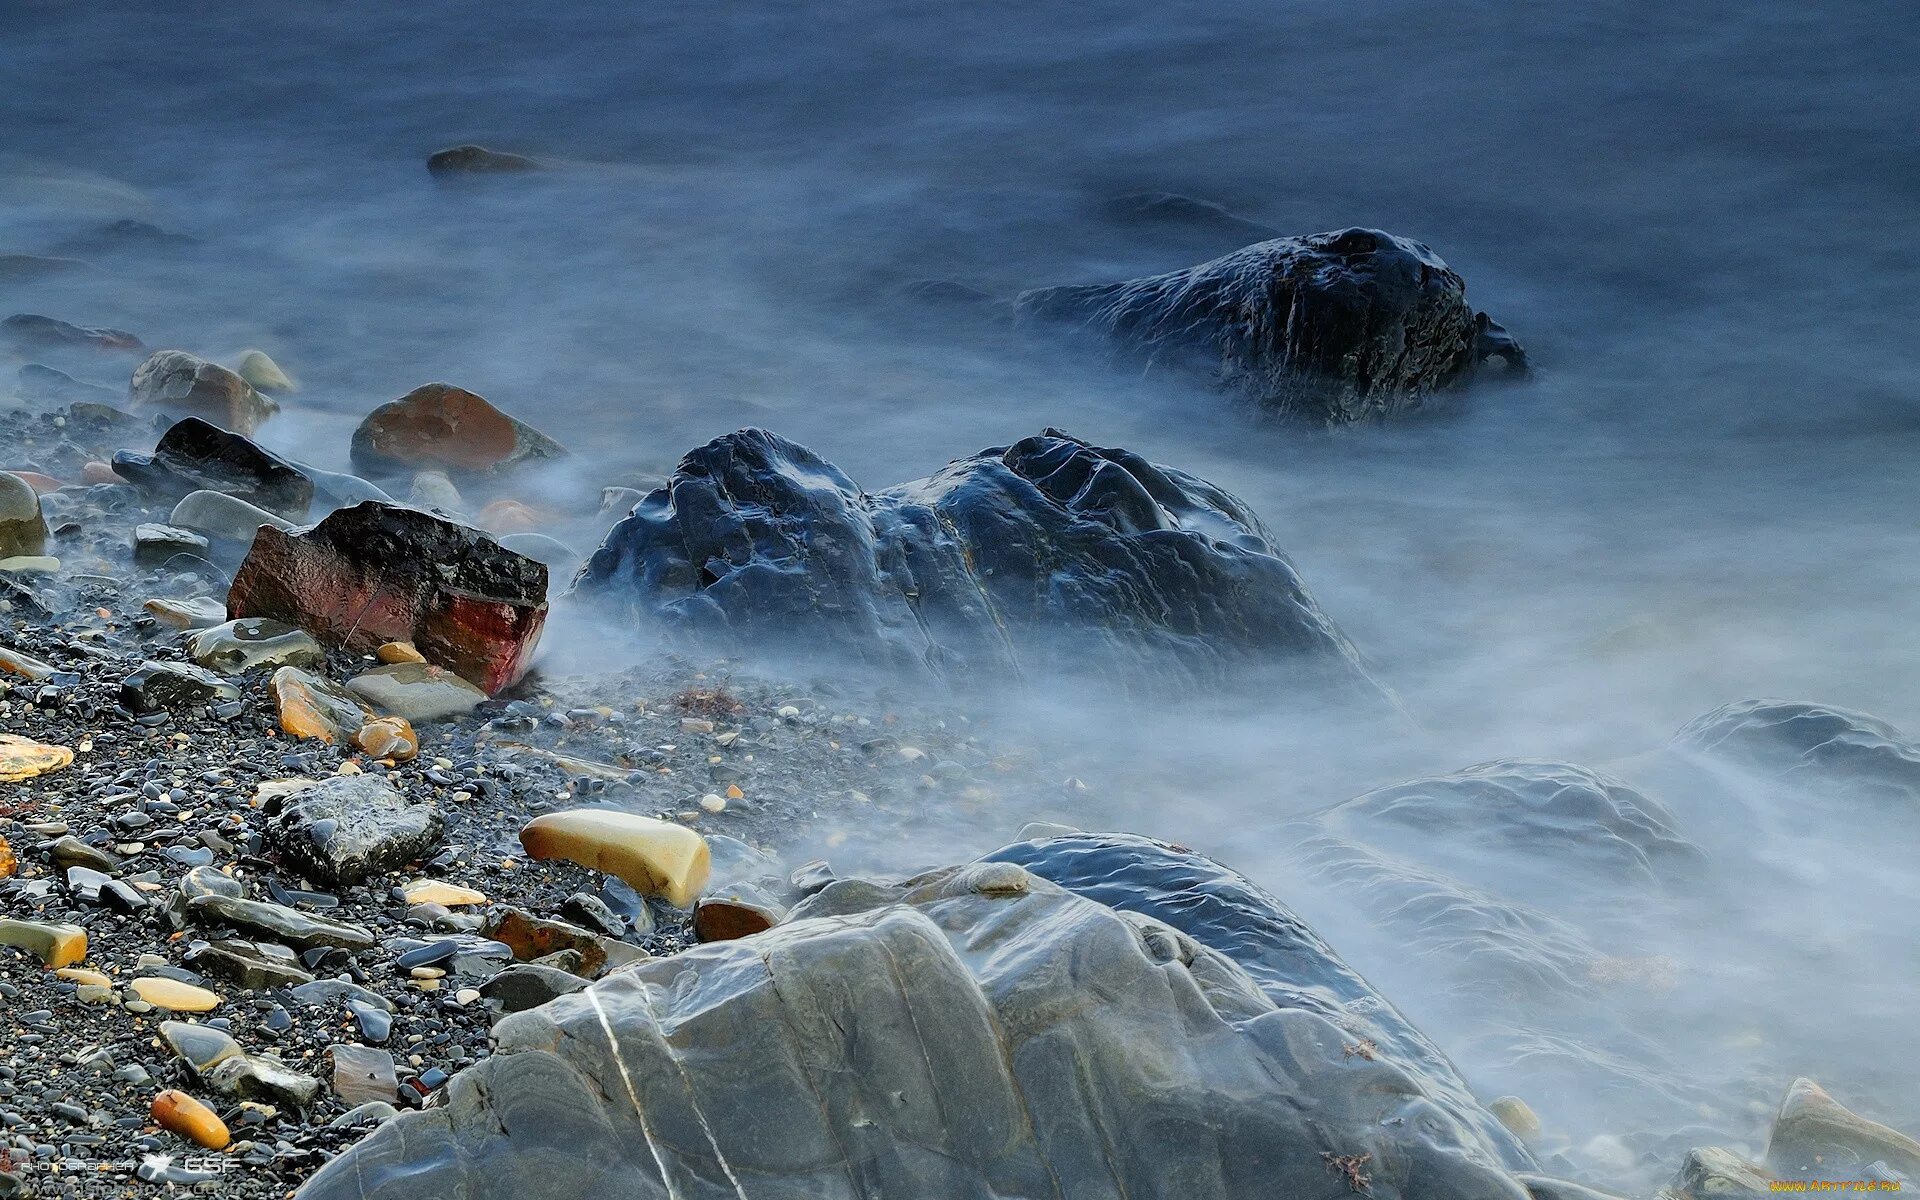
x: 172, y: 994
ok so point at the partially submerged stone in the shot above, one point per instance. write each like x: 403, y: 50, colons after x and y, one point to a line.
x: 1045, y: 559
x: 237, y: 646
x: 1816, y: 1137
x: 54, y: 944
x: 177, y: 1112
x: 154, y: 544
x: 23, y: 758
x: 420, y: 692
x: 31, y: 331
x: 223, y: 517
x: 457, y: 161
x: 259, y: 369
x: 1331, y: 328
x: 195, y: 455
x: 655, y: 858
x: 1714, y: 1173
x: 373, y: 573
x: 348, y: 828
x: 23, y: 530
x: 182, y: 385
x: 173, y: 995
x: 441, y: 427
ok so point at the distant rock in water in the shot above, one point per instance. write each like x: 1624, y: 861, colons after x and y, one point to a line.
x: 181, y: 385
x: 1046, y: 557
x: 457, y: 161
x: 30, y: 331
x: 1814, y: 747
x: 1331, y: 328
x: 438, y: 426
x: 938, y: 1039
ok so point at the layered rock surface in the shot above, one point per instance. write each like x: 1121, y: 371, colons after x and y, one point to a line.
x: 1332, y: 328
x: 935, y: 1039
x: 1047, y: 556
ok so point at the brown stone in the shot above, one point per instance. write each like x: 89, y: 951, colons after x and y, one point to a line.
x: 8, y: 863
x: 442, y: 427
x: 377, y: 573
x: 388, y: 737
x: 738, y: 912
x: 532, y: 937
x: 23, y: 758
x: 313, y: 707
x: 185, y: 385
x: 177, y: 1112
x: 655, y: 858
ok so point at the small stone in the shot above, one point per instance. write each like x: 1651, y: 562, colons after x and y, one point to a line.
x: 175, y: 996
x: 23, y: 530
x: 13, y: 662
x: 180, y: 1113
x: 312, y: 707
x: 363, y: 1075
x: 1518, y: 1117
x: 419, y: 692
x: 68, y: 852
x: 236, y: 646
x: 253, y: 966
x: 202, y: 1046
x: 531, y: 937
x: 30, y: 564
x: 30, y: 331
x: 53, y: 944
x: 263, y: 373
x: 8, y: 863
x: 206, y: 881
x: 525, y: 985
x: 388, y: 737
x: 22, y: 759
x: 433, y: 891
x: 263, y: 1077
x: 200, y: 613
x: 432, y: 489
x: 154, y: 544
x: 466, y: 996
x: 397, y: 652
x: 84, y: 975
x: 278, y: 922
x: 224, y: 518
x: 158, y: 686
x: 182, y: 384
x: 195, y: 455
x: 713, y: 803
x: 655, y: 858
x: 740, y: 911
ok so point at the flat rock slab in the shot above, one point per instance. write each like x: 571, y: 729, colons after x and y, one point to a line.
x: 936, y: 1039
x: 375, y: 573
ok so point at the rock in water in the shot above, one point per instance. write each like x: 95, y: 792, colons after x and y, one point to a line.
x: 23, y: 528
x: 457, y: 161
x: 933, y: 1039
x: 375, y: 573
x: 348, y: 828
x: 1816, y: 1137
x: 30, y: 331
x: 183, y: 384
x: 1812, y: 747
x: 445, y: 428
x: 1046, y: 557
x: 1332, y: 328
x: 258, y: 368
x: 194, y: 455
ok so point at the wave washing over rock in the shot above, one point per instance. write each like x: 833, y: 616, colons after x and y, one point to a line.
x: 1047, y: 557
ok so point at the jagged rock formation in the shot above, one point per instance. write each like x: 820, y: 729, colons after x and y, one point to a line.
x: 1331, y: 328
x: 1047, y: 556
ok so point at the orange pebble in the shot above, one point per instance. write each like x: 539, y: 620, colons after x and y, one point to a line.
x: 99, y: 472
x: 182, y: 1114
x: 41, y: 484
x: 508, y: 516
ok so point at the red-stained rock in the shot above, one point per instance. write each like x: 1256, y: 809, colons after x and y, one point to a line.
x: 442, y: 427
x: 376, y: 573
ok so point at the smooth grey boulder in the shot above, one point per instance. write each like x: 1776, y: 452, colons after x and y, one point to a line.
x: 1330, y: 328
x: 1045, y: 559
x: 1810, y: 747
x: 975, y: 1032
x: 1814, y: 1136
x: 345, y: 829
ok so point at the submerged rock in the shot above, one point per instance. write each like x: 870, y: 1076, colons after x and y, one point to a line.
x: 346, y: 829
x: 1816, y: 1137
x: 23, y: 528
x: 1047, y: 557
x: 259, y: 369
x: 1812, y: 747
x: 30, y: 331
x: 1332, y: 328
x: 456, y: 161
x: 373, y: 573
x: 224, y: 517
x: 194, y: 455
x: 183, y: 384
x: 439, y: 427
x: 935, y: 1039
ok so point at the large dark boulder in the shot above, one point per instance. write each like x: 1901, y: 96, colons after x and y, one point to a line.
x: 979, y: 1032
x: 1049, y: 556
x: 1331, y: 328
x: 195, y: 455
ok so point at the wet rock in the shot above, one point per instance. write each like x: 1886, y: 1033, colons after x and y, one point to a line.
x: 526, y: 985
x: 388, y: 737
x: 201, y: 1046
x: 433, y: 490
x: 591, y: 912
x: 334, y: 490
x: 655, y: 858
x: 182, y: 385
x: 1815, y: 1137
x: 254, y: 966
x: 557, y: 555
x: 158, y: 686
x: 69, y: 852
x: 208, y: 881
x: 530, y: 937
x: 225, y: 518
x: 435, y: 891
x: 934, y: 1039
x: 397, y: 652
x: 1711, y: 1173
x: 23, y: 530
x: 736, y: 912
x: 345, y: 829
x: 1517, y: 1115
x: 363, y: 1075
x: 259, y: 370
x: 262, y: 1077
x: 277, y: 922
x: 8, y: 862
x: 44, y: 385
x: 195, y: 455
x: 1043, y: 559
x: 154, y: 544
x: 174, y: 996
x: 177, y: 1112
x: 457, y: 161
x: 1814, y: 748
x: 22, y: 758
x: 373, y: 574
x: 54, y: 944
x: 250, y: 642
x: 197, y: 613
x: 1332, y: 328
x: 30, y: 331
x: 13, y: 662
x: 440, y: 427
x: 419, y: 692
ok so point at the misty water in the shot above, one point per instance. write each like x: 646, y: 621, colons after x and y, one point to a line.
x: 1701, y: 219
